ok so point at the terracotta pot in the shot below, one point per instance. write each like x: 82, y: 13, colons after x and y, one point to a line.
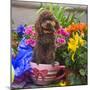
x: 44, y: 74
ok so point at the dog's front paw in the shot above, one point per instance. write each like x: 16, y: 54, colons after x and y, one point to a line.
x: 37, y: 62
x: 53, y: 64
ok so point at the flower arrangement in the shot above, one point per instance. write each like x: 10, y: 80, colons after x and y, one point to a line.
x: 73, y: 54
x: 71, y: 44
x: 77, y: 53
x: 61, y: 36
x: 31, y: 36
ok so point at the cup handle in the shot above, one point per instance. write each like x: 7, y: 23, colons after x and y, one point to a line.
x: 61, y: 76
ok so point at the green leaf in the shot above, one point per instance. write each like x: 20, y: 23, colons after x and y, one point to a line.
x: 82, y: 72
x: 74, y: 79
x: 72, y: 18
x: 27, y: 36
x: 40, y: 10
x: 79, y: 17
x: 68, y: 62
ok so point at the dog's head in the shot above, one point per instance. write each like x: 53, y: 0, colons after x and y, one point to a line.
x: 46, y: 22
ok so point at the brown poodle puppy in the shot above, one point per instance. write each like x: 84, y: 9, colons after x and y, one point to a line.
x: 45, y: 26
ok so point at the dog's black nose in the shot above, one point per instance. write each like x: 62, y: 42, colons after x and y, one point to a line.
x: 51, y: 28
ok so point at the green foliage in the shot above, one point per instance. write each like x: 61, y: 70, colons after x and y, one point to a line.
x: 27, y: 36
x: 60, y: 57
x: 79, y: 67
x: 59, y: 12
x: 73, y: 79
x: 82, y: 72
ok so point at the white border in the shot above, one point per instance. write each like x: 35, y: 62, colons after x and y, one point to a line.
x: 5, y: 44
x: 62, y: 1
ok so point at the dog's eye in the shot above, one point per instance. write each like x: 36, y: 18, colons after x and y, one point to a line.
x: 52, y: 17
x: 44, y: 19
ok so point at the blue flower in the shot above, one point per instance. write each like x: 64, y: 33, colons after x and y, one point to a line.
x: 20, y: 30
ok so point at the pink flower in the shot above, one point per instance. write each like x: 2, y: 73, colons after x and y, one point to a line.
x: 62, y: 31
x: 59, y: 31
x: 27, y: 42
x: 31, y: 42
x: 33, y: 33
x: 61, y: 40
x: 28, y: 30
x: 67, y: 34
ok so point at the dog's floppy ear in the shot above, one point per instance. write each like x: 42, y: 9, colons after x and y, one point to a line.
x: 57, y: 25
x: 38, y: 28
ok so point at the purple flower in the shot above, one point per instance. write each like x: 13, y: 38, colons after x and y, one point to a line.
x: 20, y: 30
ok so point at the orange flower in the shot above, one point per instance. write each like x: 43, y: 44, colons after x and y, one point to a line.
x: 75, y: 27
x: 68, y: 29
x: 82, y: 26
x: 71, y: 28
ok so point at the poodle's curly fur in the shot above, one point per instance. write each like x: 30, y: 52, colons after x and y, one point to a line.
x: 44, y: 51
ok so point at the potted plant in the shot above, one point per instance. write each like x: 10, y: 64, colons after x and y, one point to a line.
x: 41, y: 73
x: 75, y: 28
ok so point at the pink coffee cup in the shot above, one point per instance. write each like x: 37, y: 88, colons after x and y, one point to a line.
x: 44, y: 74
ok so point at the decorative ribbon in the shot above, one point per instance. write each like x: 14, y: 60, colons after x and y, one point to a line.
x: 38, y: 73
